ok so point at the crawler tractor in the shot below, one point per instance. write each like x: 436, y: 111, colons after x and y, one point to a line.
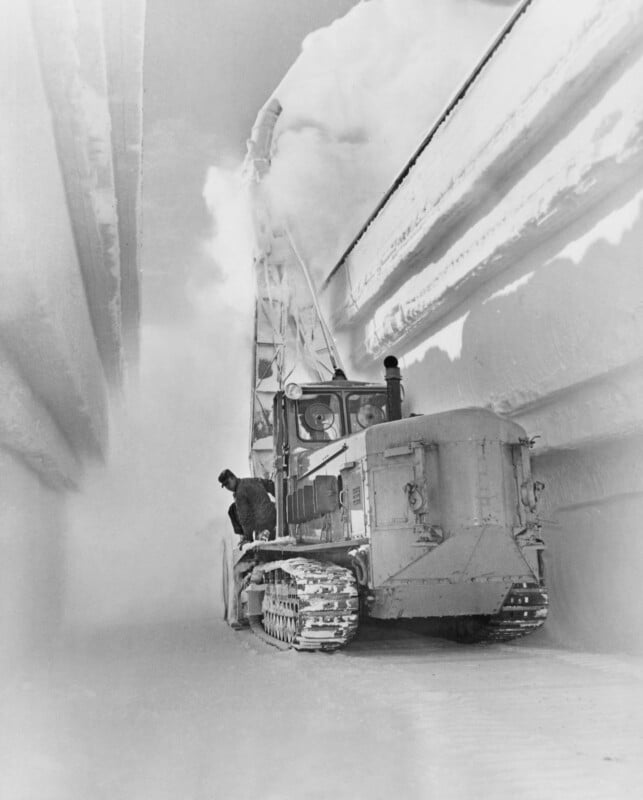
x: 428, y: 517
x: 431, y: 517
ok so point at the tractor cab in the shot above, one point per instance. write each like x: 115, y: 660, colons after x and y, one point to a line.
x: 327, y: 412
x: 311, y: 416
x: 308, y: 417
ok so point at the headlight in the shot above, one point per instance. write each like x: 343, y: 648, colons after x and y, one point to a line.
x: 293, y: 391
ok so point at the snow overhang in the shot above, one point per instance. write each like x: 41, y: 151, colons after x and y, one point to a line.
x: 542, y: 135
x: 70, y: 173
x: 91, y: 56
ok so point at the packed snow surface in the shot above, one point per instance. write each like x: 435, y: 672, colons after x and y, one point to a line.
x: 209, y: 713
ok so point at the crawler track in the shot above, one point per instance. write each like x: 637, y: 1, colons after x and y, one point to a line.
x: 308, y: 605
x: 524, y: 611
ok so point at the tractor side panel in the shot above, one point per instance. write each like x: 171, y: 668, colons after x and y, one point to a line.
x: 445, y: 509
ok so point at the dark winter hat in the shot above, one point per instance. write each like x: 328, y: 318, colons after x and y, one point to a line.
x: 223, y: 477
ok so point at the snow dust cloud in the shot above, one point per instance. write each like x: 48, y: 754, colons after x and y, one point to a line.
x: 145, y: 537
x: 232, y: 246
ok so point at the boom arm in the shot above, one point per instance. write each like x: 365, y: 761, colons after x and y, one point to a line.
x: 291, y: 338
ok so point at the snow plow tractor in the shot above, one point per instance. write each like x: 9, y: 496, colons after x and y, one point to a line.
x: 430, y: 517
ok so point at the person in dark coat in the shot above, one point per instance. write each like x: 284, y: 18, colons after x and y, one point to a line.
x: 252, y: 512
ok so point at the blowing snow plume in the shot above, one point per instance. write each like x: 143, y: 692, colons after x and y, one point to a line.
x: 358, y: 102
x: 231, y: 246
x: 144, y: 537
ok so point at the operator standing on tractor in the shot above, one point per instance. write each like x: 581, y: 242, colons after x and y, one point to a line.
x: 253, y: 513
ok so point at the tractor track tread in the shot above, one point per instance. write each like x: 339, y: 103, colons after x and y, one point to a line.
x: 308, y: 605
x: 524, y: 611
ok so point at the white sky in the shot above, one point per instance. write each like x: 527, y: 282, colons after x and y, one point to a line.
x: 209, y: 66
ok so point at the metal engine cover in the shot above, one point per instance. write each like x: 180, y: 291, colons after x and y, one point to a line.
x: 444, y: 499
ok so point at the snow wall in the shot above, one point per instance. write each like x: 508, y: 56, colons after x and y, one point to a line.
x: 504, y: 271
x: 66, y: 332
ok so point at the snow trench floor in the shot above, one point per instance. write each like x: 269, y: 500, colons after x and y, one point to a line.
x: 203, y: 712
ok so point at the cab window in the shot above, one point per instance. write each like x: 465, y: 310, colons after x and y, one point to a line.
x: 365, y: 410
x: 319, y: 418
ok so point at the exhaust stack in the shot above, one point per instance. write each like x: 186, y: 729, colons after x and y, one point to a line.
x: 393, y: 388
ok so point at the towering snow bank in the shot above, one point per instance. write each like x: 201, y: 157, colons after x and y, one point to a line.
x: 65, y: 216
x: 357, y: 103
